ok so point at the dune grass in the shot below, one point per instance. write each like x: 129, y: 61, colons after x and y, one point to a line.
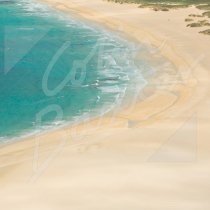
x: 165, y: 5
x: 206, y: 32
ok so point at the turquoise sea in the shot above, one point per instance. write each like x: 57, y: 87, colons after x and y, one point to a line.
x: 55, y: 69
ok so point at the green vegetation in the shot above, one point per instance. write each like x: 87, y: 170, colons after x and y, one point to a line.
x: 206, y: 32
x: 207, y: 14
x: 166, y: 5
x: 194, y: 15
x: 204, y: 7
x: 188, y: 20
x: 164, y: 1
x: 199, y: 24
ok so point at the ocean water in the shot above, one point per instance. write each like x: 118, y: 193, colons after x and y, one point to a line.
x: 55, y: 69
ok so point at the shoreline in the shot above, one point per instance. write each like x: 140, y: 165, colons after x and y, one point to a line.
x: 87, y: 15
x: 101, y: 112
x: 32, y: 133
x: 111, y: 154
x: 108, y: 25
x: 125, y: 36
x: 125, y: 39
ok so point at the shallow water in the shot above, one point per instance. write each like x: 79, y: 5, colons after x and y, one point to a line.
x: 55, y: 69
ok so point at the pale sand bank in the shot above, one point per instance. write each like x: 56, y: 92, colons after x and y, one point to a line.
x: 116, y: 162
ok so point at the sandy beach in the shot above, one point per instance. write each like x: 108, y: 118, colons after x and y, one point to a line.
x: 152, y: 155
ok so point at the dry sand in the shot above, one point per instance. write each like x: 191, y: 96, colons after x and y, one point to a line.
x: 153, y: 155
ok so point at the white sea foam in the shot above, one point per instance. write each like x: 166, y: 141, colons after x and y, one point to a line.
x: 122, y: 68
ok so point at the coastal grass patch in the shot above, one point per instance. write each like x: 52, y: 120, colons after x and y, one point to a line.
x: 205, y: 32
x: 161, y: 7
x: 199, y: 24
x: 207, y: 14
x: 165, y: 5
x: 155, y: 5
x: 195, y: 15
x: 203, y: 7
x: 188, y: 20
